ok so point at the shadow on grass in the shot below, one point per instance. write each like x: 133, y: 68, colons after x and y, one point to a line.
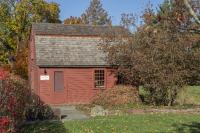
x: 44, y: 127
x: 193, y: 127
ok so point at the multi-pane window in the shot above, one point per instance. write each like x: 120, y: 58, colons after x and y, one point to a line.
x: 99, y: 78
x: 58, y: 81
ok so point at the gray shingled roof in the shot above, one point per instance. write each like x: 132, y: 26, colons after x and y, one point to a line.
x: 68, y: 51
x: 73, y: 30
x: 78, y: 45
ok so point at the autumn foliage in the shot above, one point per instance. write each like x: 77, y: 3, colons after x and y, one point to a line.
x: 118, y: 95
x: 16, y: 19
x: 14, y: 97
x: 73, y: 20
x: 5, y: 125
x: 162, y: 55
x: 21, y: 64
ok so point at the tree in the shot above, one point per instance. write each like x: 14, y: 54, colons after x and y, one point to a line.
x: 29, y: 11
x: 192, y: 10
x: 181, y: 21
x: 128, y: 21
x: 15, y: 27
x: 21, y: 64
x: 73, y: 20
x: 95, y: 14
x: 161, y: 55
x: 7, y: 44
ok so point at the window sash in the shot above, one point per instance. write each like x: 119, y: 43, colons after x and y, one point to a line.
x: 99, y: 78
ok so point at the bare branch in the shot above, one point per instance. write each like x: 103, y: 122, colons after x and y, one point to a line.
x: 186, y: 2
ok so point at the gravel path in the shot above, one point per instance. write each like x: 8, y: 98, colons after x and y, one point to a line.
x: 68, y: 113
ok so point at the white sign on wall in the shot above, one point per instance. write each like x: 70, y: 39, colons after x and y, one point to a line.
x: 44, y: 77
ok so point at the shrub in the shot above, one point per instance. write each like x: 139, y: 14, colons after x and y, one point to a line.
x: 5, y: 125
x: 17, y: 105
x: 14, y: 97
x: 117, y: 96
x: 37, y: 110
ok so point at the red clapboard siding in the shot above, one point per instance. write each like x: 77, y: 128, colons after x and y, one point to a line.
x: 78, y: 85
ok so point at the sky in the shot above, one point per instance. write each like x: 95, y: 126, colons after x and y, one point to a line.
x: 114, y: 7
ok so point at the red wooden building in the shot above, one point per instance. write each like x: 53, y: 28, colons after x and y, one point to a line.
x: 66, y: 65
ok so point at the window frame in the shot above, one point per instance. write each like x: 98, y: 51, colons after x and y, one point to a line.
x: 101, y: 78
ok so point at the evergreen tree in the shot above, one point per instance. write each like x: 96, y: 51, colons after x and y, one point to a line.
x: 96, y: 15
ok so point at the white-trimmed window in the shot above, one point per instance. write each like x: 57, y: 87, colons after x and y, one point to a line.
x: 99, y: 76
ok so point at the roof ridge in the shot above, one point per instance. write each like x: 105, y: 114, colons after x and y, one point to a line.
x: 86, y: 25
x: 80, y: 29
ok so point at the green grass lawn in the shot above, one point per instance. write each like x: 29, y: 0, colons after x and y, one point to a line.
x: 143, y: 123
x: 156, y: 123
x: 189, y: 96
x: 194, y: 93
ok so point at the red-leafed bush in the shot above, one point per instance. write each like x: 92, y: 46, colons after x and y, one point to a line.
x: 3, y: 74
x: 18, y: 105
x: 5, y: 125
x: 14, y: 97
